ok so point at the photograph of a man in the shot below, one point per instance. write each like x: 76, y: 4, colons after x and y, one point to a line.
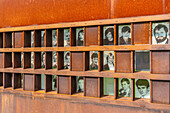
x: 42, y: 59
x: 108, y: 60
x: 79, y: 37
x: 143, y: 88
x: 93, y: 60
x: 54, y: 38
x: 108, y: 35
x: 54, y: 60
x: 160, y: 33
x: 66, y: 37
x: 125, y: 87
x: 124, y: 35
x: 80, y: 84
x: 66, y: 60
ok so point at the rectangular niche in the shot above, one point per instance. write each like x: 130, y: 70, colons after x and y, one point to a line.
x: 50, y: 83
x: 91, y: 36
x: 17, y: 80
x: 7, y: 39
x: 77, y: 61
x: 108, y: 86
x: 8, y: 80
x: 8, y: 60
x: 18, y: 56
x: 18, y: 39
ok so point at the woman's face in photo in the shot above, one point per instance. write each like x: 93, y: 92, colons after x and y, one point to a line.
x: 109, y: 36
x: 81, y: 36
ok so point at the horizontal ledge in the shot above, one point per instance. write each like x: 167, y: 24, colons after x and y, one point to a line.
x: 161, y: 17
x: 136, y: 75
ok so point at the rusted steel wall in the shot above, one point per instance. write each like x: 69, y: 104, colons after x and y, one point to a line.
x: 31, y: 12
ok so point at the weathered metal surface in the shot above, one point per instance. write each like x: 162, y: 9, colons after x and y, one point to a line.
x: 77, y: 61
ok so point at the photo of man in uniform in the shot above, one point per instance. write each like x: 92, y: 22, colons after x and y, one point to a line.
x: 94, y: 61
x: 66, y: 60
x: 125, y: 89
x: 108, y: 38
x: 161, y: 33
x: 109, y: 60
x: 143, y: 88
x: 79, y: 37
x: 125, y: 38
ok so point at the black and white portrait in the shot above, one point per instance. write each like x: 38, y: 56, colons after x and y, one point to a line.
x: 142, y: 61
x: 79, y: 37
x: 66, y: 37
x: 160, y: 33
x: 21, y: 59
x: 32, y: 39
x: 32, y: 59
x: 80, y: 84
x: 124, y: 87
x: 93, y: 60
x: 108, y: 35
x: 42, y: 59
x: 108, y: 60
x: 54, y: 60
x: 66, y: 60
x: 42, y: 38
x: 54, y: 38
x: 142, y: 89
x: 108, y: 86
x: 54, y: 82
x: 124, y: 35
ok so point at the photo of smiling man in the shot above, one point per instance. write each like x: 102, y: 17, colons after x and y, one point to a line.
x: 124, y: 35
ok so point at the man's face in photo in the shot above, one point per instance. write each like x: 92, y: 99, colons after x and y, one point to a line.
x: 143, y: 90
x: 160, y: 35
x: 95, y: 60
x: 125, y: 34
x: 125, y: 85
x: 110, y: 59
x: 109, y: 36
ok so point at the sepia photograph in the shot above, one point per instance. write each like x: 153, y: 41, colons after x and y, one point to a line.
x: 142, y: 89
x: 142, y: 61
x: 124, y: 36
x: 124, y: 87
x: 160, y: 33
x: 108, y: 35
x: 93, y: 60
x: 108, y: 60
x: 80, y: 84
x: 79, y: 37
x: 108, y: 86
x: 54, y: 38
x: 54, y: 60
x: 66, y: 37
x: 42, y: 38
x: 54, y: 82
x: 66, y: 60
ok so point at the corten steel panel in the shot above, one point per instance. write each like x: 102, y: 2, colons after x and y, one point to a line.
x: 1, y: 60
x: 124, y: 8
x: 63, y: 84
x: 1, y: 79
x: 1, y: 40
x: 48, y: 83
x: 37, y: 82
x: 141, y: 33
x: 123, y: 62
x: 51, y: 11
x: 161, y: 92
x: 7, y: 40
x: 27, y: 39
x: 28, y: 82
x: 160, y: 62
x: 7, y: 80
x: 8, y: 60
x: 17, y: 80
x: 37, y: 60
x: 77, y: 61
x: 18, y: 37
x: 27, y: 60
x: 17, y: 60
x: 48, y: 60
x: 91, y: 86
x: 91, y: 36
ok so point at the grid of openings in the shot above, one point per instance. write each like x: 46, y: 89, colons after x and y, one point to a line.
x: 121, y: 60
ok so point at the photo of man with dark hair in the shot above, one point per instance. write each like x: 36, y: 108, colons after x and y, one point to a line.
x: 108, y: 37
x: 80, y: 84
x: 161, y: 34
x: 66, y: 60
x: 66, y: 37
x: 125, y: 89
x: 142, y: 86
x: 79, y: 37
x: 93, y: 60
x: 124, y: 35
x: 108, y: 60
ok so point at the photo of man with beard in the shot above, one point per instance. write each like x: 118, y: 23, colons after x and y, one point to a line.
x: 161, y: 34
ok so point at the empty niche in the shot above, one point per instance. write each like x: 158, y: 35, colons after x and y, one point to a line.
x: 108, y: 35
x: 93, y: 60
x: 42, y: 81
x: 108, y: 60
x: 108, y: 86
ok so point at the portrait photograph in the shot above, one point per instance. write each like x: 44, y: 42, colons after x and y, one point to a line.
x: 54, y: 60
x: 42, y: 81
x: 93, y: 60
x: 108, y: 35
x: 42, y: 59
x: 21, y: 59
x: 32, y: 59
x: 160, y: 33
x: 79, y: 37
x: 54, y: 38
x: 54, y: 82
x: 124, y: 35
x: 66, y: 37
x: 32, y: 39
x: 142, y: 88
x: 142, y: 61
x: 108, y: 58
x: 108, y: 86
x: 124, y: 87
x: 80, y: 84
x: 66, y: 60
x: 42, y: 38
